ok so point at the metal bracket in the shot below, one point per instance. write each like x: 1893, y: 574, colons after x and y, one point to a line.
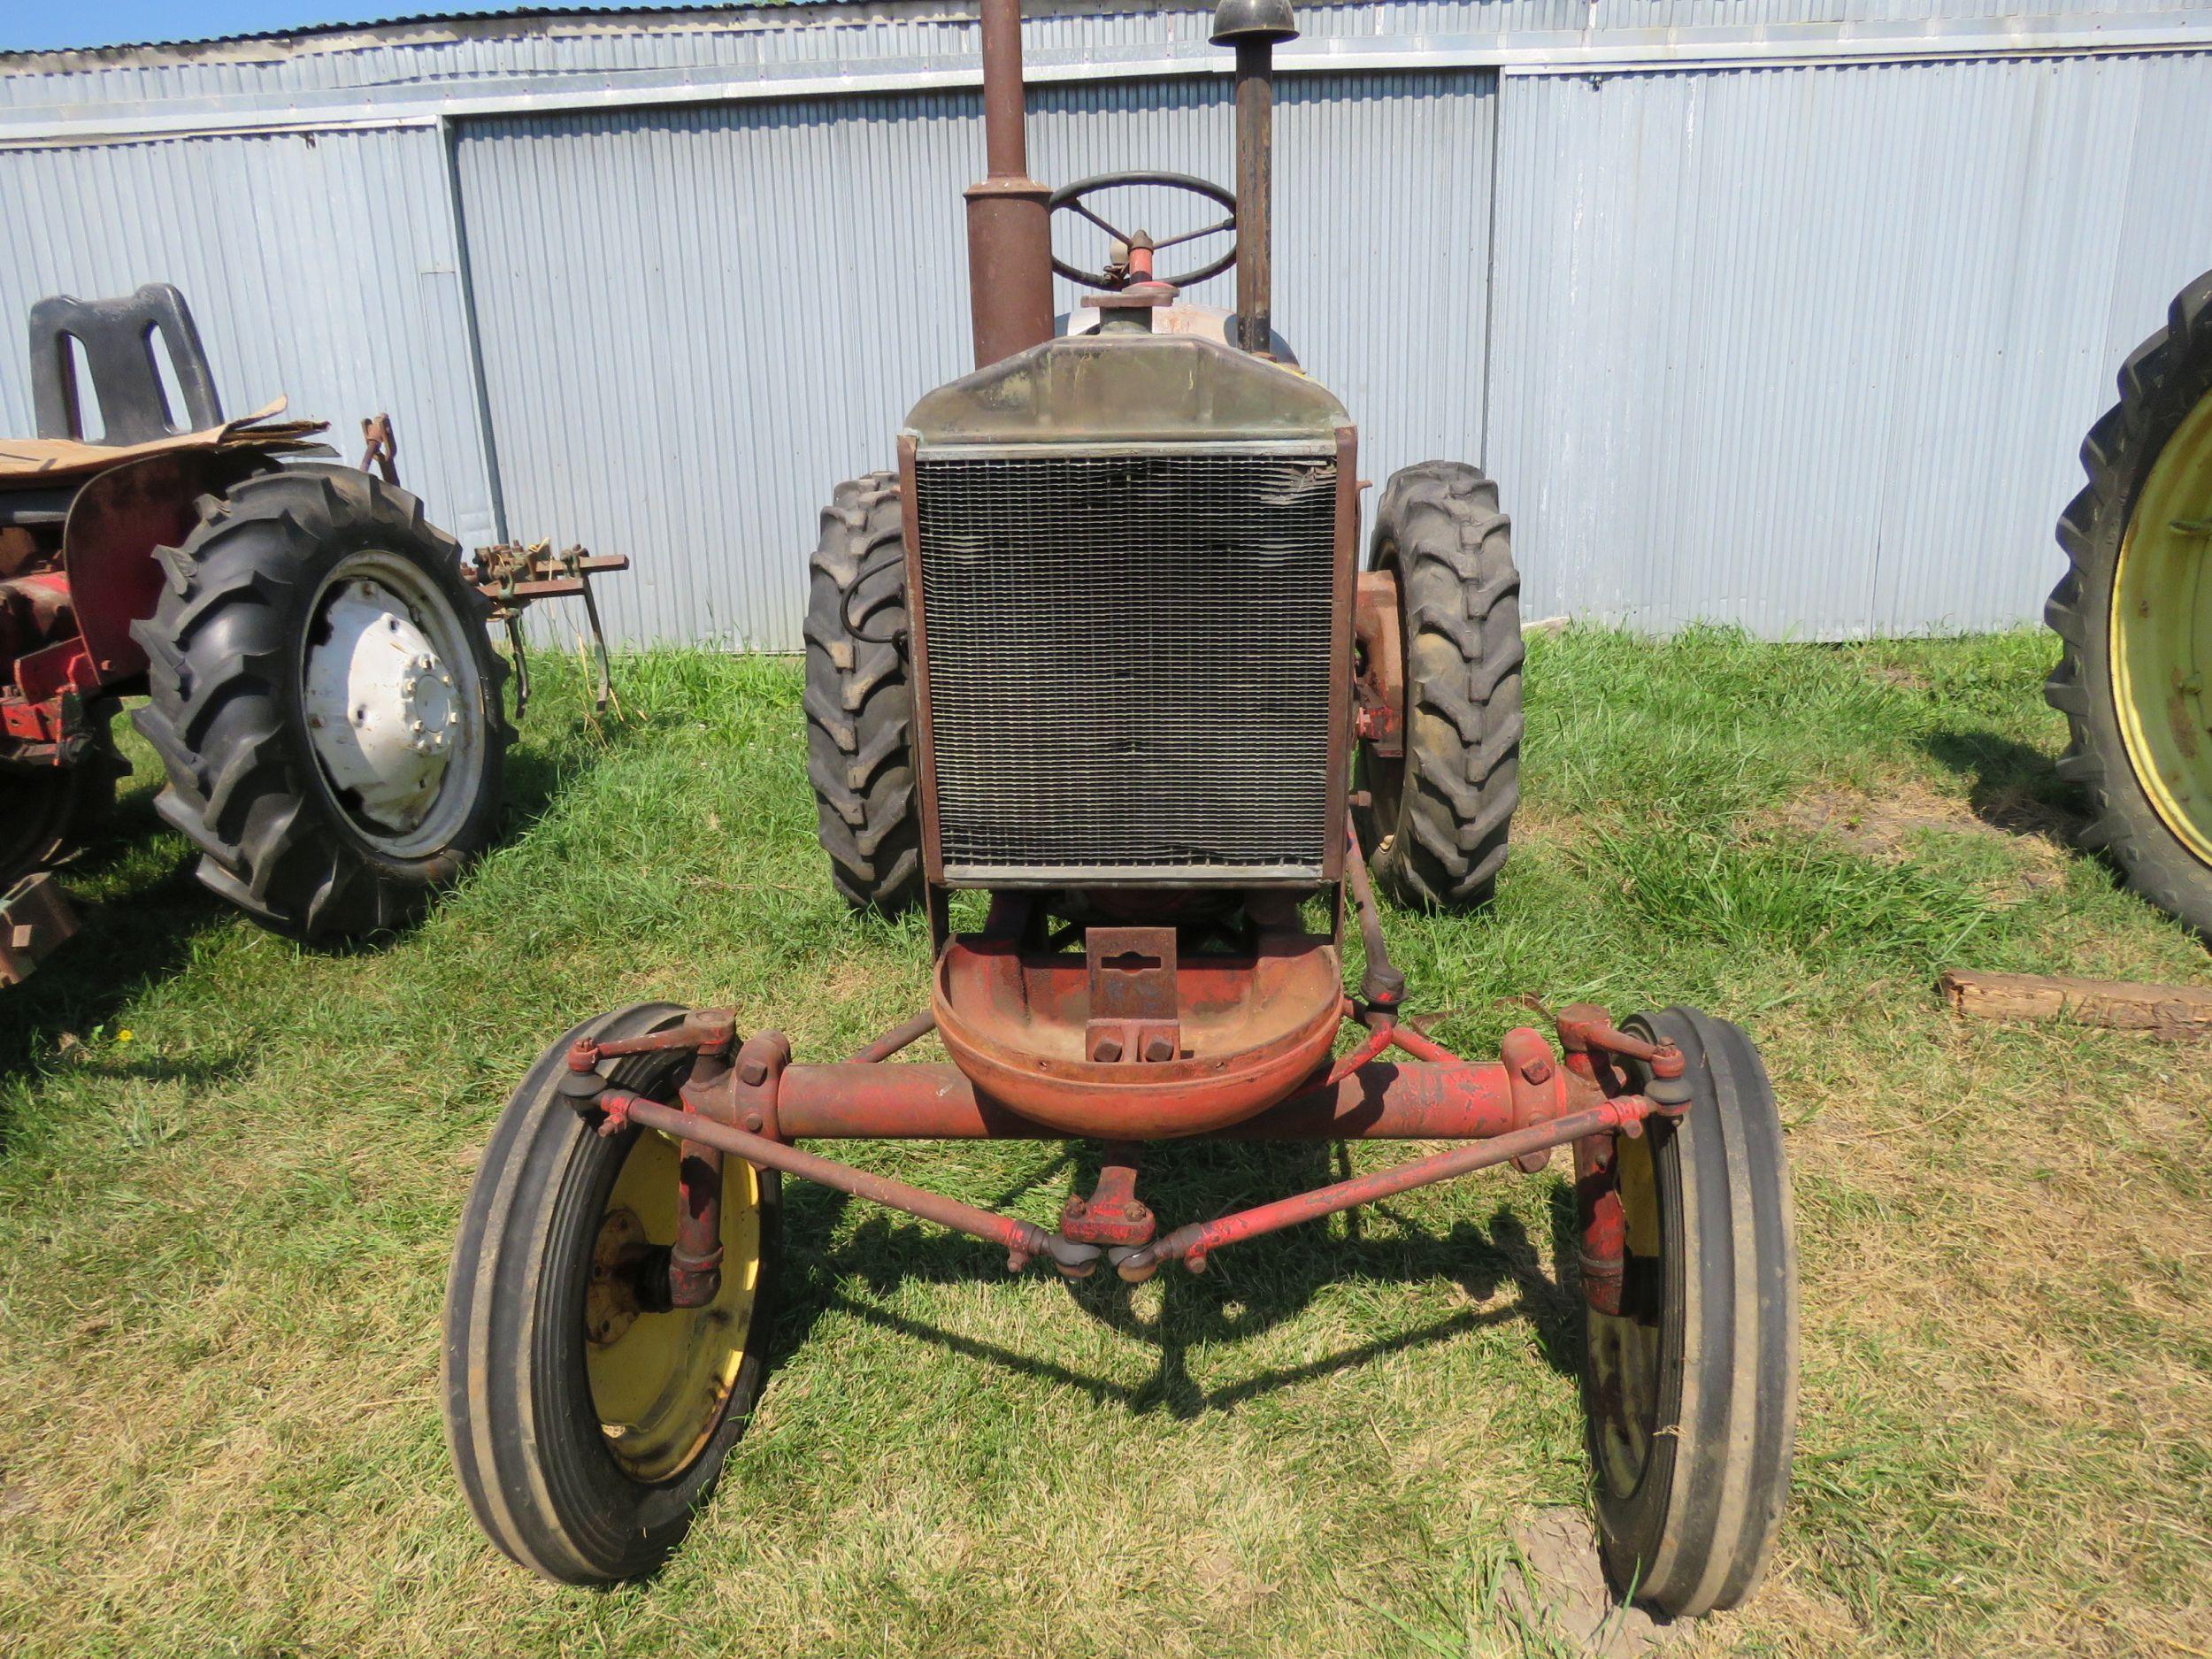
x: 1135, y: 1011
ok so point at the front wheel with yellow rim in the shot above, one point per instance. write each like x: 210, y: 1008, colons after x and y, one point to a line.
x: 2134, y: 612
x: 1690, y: 1389
x: 588, y: 1419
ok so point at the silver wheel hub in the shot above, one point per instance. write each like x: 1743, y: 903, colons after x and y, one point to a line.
x: 386, y: 688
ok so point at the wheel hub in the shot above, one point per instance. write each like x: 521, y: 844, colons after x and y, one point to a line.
x: 382, y: 707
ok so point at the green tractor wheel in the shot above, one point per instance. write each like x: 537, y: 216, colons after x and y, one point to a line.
x: 2135, y: 613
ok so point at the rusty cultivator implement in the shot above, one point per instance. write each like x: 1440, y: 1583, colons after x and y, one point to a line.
x: 1099, y: 648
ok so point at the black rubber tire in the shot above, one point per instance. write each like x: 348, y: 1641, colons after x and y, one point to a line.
x: 1434, y: 832
x: 2163, y: 381
x: 521, y: 1426
x: 50, y: 811
x: 1693, y: 1532
x: 860, y: 699
x: 226, y: 646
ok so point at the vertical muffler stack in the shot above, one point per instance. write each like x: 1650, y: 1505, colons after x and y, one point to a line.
x: 1254, y: 27
x: 1010, y: 232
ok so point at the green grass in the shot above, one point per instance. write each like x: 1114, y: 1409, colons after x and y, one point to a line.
x: 229, y: 1171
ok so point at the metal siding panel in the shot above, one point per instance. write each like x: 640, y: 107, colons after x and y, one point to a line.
x: 801, y: 34
x: 324, y: 269
x: 695, y: 322
x: 1811, y: 350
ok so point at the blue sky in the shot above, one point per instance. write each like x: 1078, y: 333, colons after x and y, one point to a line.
x: 37, y: 23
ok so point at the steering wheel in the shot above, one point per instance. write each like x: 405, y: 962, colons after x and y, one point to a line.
x: 1070, y: 197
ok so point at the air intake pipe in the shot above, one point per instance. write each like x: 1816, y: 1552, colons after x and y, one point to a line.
x: 1010, y: 227
x: 1253, y: 27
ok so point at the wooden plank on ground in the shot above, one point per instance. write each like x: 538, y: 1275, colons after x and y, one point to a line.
x: 2123, y: 1004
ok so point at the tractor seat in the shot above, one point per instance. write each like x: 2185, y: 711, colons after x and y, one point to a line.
x: 132, y: 402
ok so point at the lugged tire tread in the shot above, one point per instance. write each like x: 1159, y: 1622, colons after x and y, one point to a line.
x: 1458, y: 587
x: 2163, y: 380
x: 859, y: 699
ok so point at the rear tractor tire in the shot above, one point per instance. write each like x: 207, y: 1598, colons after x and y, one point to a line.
x: 586, y: 1418
x: 326, y: 701
x: 1689, y: 1390
x: 1434, y: 828
x: 860, y: 699
x: 2134, y: 612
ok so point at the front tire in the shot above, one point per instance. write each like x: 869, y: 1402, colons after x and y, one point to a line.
x: 1434, y: 829
x: 326, y: 701
x: 586, y: 1428
x: 1691, y: 1390
x: 2134, y: 612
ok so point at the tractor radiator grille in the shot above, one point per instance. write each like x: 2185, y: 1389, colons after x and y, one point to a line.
x: 1128, y: 662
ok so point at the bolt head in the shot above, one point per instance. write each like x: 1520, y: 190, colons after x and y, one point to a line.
x: 1158, y: 1050
x: 1106, y: 1049
x: 1537, y: 1072
x: 755, y: 1123
x: 754, y: 1072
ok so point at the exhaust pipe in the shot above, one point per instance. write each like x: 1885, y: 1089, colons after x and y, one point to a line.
x: 1009, y: 227
x: 1253, y: 27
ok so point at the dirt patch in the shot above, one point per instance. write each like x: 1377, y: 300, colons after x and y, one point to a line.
x: 1882, y: 828
x: 1562, y: 1591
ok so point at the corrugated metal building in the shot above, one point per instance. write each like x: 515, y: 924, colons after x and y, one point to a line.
x: 1786, y: 313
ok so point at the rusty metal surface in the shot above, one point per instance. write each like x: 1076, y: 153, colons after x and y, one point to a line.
x: 1112, y: 1214
x: 1382, y: 1101
x: 35, y: 918
x: 1256, y: 175
x: 1378, y: 685
x: 1193, y: 1243
x: 1137, y: 388
x: 1134, y: 1012
x: 1010, y: 233
x: 1252, y: 1029
x: 1024, y: 1240
x: 897, y: 1038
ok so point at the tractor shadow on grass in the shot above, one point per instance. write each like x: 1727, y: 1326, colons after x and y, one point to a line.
x: 2012, y: 787
x: 1246, y: 1290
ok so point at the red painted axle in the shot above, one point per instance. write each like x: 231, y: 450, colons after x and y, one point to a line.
x: 1380, y: 1102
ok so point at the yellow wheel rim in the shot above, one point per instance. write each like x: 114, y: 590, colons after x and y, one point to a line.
x: 660, y: 1382
x: 2161, y: 634
x: 1624, y: 1348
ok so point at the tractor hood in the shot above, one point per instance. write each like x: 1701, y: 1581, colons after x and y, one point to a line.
x: 1127, y: 388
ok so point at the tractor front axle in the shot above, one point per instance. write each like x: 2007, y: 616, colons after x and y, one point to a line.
x: 1516, y: 1110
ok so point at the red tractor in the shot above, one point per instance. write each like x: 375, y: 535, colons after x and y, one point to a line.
x: 1099, y: 649
x: 323, y: 696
